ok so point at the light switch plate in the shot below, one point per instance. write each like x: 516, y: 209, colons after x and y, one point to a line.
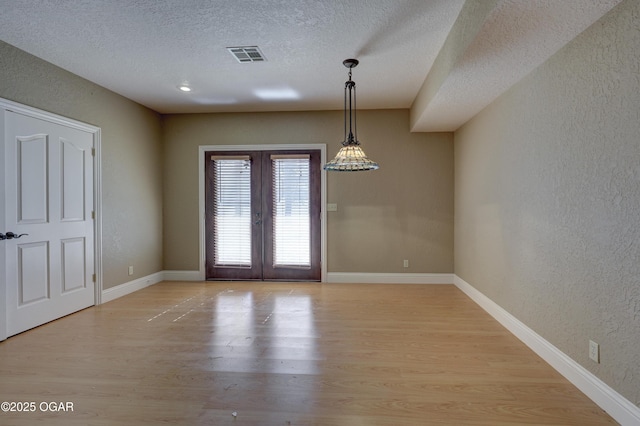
x: 594, y: 351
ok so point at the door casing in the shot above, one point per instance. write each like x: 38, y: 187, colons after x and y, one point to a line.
x: 279, y: 147
x: 6, y: 104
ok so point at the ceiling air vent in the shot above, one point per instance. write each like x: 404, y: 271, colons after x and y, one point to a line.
x: 247, y: 54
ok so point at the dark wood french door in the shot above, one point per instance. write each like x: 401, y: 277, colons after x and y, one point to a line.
x: 263, y: 215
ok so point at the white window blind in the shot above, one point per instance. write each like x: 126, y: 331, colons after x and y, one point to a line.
x: 291, y: 210
x: 232, y: 211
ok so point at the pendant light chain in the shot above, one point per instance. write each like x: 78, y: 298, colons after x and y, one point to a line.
x: 350, y: 86
x: 355, y: 108
x: 345, y: 111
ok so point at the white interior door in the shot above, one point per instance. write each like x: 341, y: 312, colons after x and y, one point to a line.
x: 48, y: 202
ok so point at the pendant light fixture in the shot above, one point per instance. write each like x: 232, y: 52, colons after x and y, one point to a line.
x: 351, y: 157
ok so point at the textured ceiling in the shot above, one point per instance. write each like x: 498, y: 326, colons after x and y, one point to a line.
x: 501, y: 45
x: 145, y: 49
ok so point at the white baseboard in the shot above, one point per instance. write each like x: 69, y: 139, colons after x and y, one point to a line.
x: 131, y: 286
x: 182, y: 276
x: 341, y: 277
x: 383, y: 278
x: 622, y: 410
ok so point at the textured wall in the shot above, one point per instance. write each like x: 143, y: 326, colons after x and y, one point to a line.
x: 402, y: 211
x: 131, y: 157
x: 547, y: 199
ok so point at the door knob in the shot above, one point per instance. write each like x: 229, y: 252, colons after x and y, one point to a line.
x: 2, y: 236
x: 10, y: 235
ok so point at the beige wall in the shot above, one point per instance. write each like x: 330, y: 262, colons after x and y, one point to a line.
x: 402, y: 211
x: 547, y: 199
x: 131, y: 157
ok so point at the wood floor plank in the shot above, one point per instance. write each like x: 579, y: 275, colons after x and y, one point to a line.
x: 286, y: 354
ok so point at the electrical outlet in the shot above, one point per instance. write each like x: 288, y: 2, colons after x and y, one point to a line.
x: 594, y: 351
x: 130, y: 270
x: 405, y: 263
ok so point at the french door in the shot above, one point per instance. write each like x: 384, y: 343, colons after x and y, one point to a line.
x: 263, y: 215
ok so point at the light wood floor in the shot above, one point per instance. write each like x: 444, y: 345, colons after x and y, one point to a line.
x: 286, y: 354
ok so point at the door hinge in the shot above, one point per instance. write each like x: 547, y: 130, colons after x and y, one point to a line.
x: 93, y: 152
x: 93, y: 214
x: 93, y: 277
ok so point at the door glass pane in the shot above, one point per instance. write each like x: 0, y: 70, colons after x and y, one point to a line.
x: 232, y: 212
x: 291, y: 211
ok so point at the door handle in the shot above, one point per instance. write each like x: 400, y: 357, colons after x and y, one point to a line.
x: 10, y: 235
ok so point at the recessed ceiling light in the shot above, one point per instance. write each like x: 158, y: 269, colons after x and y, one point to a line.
x: 184, y: 88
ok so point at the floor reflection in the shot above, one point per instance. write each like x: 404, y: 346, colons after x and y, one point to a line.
x: 291, y: 329
x: 274, y: 335
x: 273, y: 339
x: 234, y: 329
